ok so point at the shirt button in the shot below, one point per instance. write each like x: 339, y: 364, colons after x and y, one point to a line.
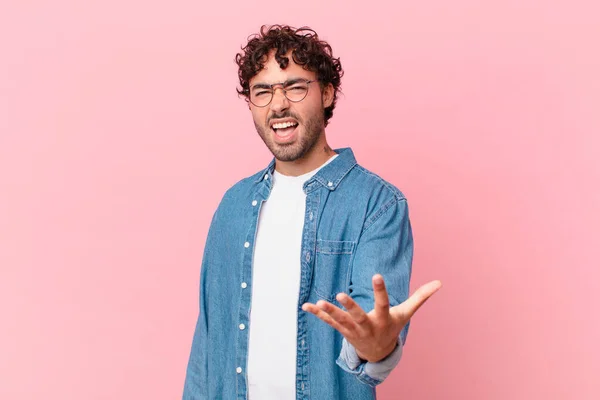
x: 244, y: 285
x: 238, y: 370
x: 242, y: 327
x: 307, y: 256
x: 254, y: 203
x: 302, y: 385
x: 330, y: 184
x: 247, y: 244
x: 310, y: 216
x: 302, y: 342
x: 267, y: 176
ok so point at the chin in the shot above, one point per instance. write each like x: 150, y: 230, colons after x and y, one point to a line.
x: 287, y: 155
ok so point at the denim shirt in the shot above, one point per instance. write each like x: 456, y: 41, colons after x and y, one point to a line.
x: 356, y: 225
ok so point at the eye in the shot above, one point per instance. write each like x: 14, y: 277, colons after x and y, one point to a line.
x: 261, y: 93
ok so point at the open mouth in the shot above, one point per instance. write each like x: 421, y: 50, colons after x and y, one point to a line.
x: 284, y: 129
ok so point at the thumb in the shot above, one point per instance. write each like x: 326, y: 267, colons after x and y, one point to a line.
x: 410, y: 306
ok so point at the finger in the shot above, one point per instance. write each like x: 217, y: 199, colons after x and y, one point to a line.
x: 339, y: 315
x: 358, y: 314
x: 382, y: 301
x: 419, y: 297
x: 323, y: 316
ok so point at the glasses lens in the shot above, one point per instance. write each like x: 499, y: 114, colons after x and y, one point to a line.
x: 261, y: 97
x: 296, y: 91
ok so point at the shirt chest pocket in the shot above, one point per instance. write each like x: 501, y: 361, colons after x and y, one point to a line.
x: 332, y: 268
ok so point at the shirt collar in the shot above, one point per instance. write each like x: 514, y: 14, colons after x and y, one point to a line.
x: 329, y: 176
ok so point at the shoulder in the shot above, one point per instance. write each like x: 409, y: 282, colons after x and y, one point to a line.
x: 379, y: 182
x: 378, y: 185
x: 242, y: 189
x: 375, y: 195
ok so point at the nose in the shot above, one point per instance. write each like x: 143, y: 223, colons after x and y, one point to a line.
x: 279, y: 102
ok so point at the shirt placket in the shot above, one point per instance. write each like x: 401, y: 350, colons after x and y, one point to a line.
x: 243, y: 321
x: 308, y: 248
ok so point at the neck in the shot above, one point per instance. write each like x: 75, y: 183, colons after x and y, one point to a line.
x: 316, y: 157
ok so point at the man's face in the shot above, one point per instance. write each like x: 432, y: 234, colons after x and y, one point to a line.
x: 290, y: 129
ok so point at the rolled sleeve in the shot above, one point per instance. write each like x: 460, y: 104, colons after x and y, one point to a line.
x: 369, y: 373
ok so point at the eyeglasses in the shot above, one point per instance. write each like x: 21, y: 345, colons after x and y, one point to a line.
x: 294, y: 90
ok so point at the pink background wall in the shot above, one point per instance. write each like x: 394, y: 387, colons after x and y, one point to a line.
x: 120, y: 130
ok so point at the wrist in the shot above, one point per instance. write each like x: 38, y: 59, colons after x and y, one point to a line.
x: 381, y: 356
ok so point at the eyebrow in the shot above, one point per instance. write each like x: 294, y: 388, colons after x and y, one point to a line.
x: 262, y: 85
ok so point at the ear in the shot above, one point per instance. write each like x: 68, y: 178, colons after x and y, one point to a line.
x: 328, y: 92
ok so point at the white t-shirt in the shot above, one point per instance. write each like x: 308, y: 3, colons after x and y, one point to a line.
x: 275, y: 289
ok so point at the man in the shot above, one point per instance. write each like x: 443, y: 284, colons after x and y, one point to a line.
x: 313, y: 233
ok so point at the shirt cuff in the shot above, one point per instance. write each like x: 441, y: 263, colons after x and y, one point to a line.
x: 371, y: 373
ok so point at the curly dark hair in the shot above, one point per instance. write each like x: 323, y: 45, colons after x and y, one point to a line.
x: 308, y: 51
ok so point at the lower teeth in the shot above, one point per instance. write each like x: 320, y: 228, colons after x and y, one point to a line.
x: 285, y: 130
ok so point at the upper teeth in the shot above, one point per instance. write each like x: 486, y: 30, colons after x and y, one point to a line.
x: 283, y: 125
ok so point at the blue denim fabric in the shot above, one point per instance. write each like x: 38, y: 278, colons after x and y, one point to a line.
x: 356, y: 225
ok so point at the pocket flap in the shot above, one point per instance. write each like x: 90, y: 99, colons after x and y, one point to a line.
x: 334, y: 247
